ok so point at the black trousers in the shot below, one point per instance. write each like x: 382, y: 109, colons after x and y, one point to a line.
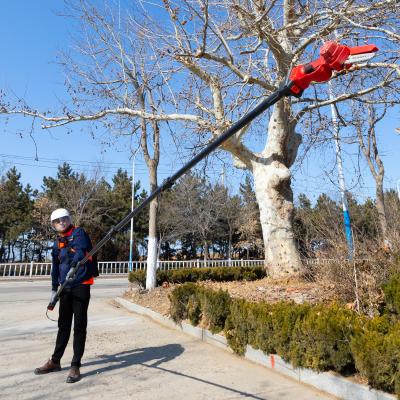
x: 74, y: 302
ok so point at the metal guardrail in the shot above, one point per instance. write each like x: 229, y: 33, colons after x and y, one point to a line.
x: 33, y: 269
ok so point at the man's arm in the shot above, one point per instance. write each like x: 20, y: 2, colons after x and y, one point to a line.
x: 81, y: 245
x: 55, y: 269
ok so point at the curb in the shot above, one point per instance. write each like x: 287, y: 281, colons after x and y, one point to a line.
x: 328, y: 382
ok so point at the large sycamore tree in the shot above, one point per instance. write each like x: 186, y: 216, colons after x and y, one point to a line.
x: 218, y: 59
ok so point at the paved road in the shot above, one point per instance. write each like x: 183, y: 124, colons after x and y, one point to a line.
x: 127, y: 356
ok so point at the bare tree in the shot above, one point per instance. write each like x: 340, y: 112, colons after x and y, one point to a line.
x: 221, y: 57
x: 235, y: 51
x: 110, y: 74
x: 193, y: 207
x: 250, y: 234
x: 230, y: 209
x: 124, y: 76
x: 365, y: 119
x: 81, y: 195
x: 146, y: 101
x: 42, y: 234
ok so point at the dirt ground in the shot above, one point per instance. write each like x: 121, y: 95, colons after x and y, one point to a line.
x: 266, y: 289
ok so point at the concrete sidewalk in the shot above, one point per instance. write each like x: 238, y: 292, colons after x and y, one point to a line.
x: 127, y: 356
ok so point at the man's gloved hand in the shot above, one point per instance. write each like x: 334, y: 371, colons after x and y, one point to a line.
x: 53, y: 296
x: 70, y: 275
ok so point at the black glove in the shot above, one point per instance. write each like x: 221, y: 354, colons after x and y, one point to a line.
x: 53, y: 296
x: 53, y: 300
x: 71, y: 273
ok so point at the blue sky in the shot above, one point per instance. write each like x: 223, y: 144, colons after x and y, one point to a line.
x: 32, y: 36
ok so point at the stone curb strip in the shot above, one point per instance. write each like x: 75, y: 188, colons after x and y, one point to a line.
x: 328, y: 382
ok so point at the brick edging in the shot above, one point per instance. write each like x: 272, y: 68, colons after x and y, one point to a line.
x: 328, y: 382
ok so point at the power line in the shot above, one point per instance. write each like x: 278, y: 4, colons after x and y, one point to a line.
x: 78, y: 166
x: 55, y: 160
x: 85, y: 168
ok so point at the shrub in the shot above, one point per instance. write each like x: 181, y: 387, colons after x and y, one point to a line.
x: 138, y: 277
x: 392, y: 295
x: 318, y: 337
x: 200, y: 274
x: 194, y: 309
x: 237, y: 326
x: 362, y: 279
x: 285, y: 316
x: 377, y: 355
x: 215, y: 308
x: 180, y: 298
x: 192, y: 302
x: 321, y: 339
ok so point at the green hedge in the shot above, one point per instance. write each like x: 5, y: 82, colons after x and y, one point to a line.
x: 219, y: 274
x: 312, y: 336
x: 392, y: 295
x: 377, y: 355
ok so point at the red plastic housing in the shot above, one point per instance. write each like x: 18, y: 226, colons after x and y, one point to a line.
x: 333, y: 57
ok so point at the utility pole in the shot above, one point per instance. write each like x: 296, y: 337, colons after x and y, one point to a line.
x: 398, y: 188
x: 132, y: 208
x: 223, y: 176
x: 342, y: 184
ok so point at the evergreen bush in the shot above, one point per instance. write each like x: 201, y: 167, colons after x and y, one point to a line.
x: 285, y: 316
x: 377, y: 355
x: 321, y: 339
x: 237, y: 325
x: 214, y: 308
x: 180, y: 298
x: 318, y: 337
x: 218, y: 274
x: 392, y: 295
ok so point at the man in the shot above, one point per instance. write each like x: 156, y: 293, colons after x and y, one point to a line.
x: 71, y: 246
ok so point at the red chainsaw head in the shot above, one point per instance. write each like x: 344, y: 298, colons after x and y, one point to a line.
x: 333, y: 57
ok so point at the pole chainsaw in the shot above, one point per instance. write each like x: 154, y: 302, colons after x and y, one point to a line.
x: 334, y: 57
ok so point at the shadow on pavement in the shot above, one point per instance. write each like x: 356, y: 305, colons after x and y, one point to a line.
x: 124, y: 359
x: 159, y: 355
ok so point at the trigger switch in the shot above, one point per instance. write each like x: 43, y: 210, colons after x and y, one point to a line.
x: 308, y: 68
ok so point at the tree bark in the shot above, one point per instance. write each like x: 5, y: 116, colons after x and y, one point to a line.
x: 380, y: 206
x: 274, y: 195
x: 152, y: 249
x: 369, y: 147
x: 205, y: 244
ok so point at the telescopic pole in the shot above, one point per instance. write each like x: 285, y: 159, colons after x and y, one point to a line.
x: 333, y: 57
x: 241, y: 123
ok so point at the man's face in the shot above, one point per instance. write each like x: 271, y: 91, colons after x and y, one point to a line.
x: 61, y: 224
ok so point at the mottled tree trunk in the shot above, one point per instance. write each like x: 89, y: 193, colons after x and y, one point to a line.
x: 205, y: 245
x: 369, y: 147
x: 274, y: 195
x: 380, y: 206
x: 152, y: 249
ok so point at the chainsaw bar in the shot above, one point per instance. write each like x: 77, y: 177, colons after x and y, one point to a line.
x: 359, y: 58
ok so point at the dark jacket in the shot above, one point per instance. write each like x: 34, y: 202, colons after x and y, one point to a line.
x: 68, y: 249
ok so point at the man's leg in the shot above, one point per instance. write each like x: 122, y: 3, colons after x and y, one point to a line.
x: 80, y: 304
x: 64, y: 324
x: 64, y: 331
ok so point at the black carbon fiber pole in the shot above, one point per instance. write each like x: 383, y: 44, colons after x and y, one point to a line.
x: 241, y: 123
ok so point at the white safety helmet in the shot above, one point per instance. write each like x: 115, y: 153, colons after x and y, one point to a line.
x: 59, y: 213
